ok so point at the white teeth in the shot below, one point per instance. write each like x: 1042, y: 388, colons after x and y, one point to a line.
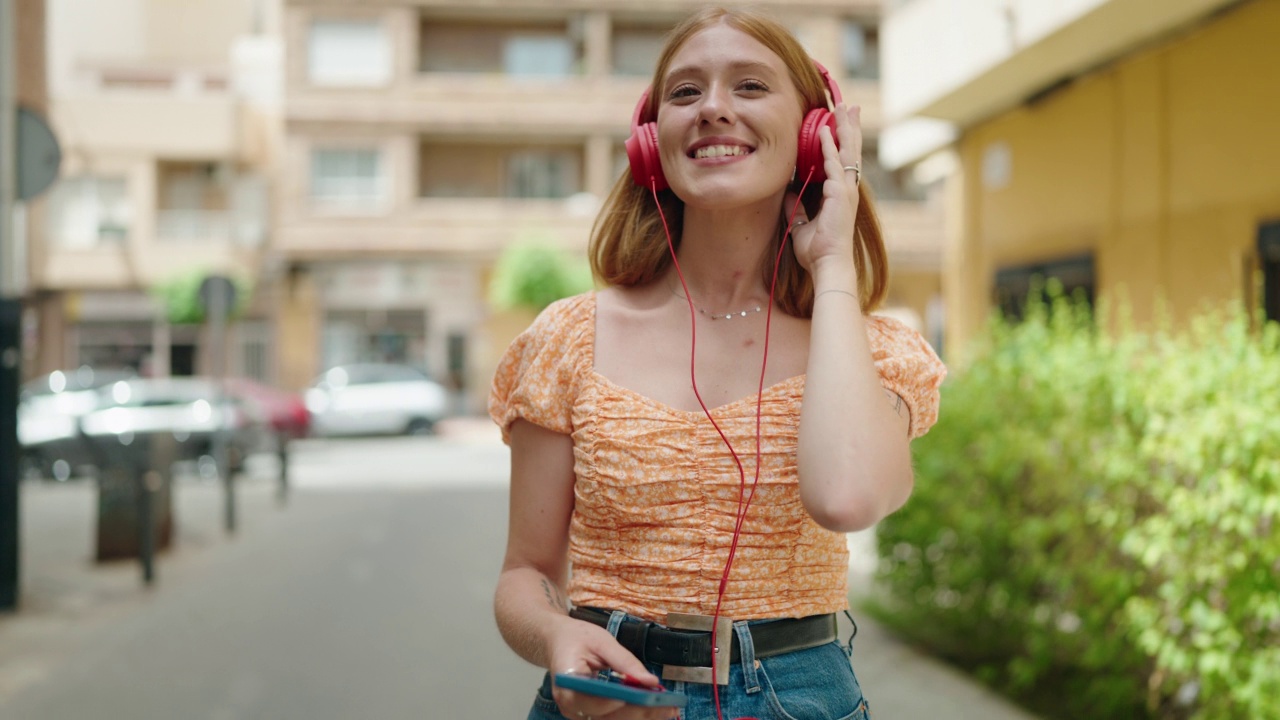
x: 715, y: 151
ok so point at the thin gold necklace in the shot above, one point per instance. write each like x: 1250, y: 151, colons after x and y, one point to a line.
x: 721, y: 316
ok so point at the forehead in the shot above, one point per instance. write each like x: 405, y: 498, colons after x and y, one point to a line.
x: 722, y: 46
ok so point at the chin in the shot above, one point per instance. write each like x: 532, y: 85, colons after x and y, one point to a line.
x: 727, y: 195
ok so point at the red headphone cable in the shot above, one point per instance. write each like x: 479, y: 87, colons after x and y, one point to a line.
x: 743, y: 507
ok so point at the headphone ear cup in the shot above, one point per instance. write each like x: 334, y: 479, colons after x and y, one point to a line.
x: 642, y: 154
x: 809, y: 148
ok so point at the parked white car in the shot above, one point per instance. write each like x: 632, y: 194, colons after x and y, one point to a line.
x: 49, y: 435
x: 375, y: 399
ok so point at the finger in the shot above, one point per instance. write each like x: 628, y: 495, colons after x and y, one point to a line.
x: 831, y: 160
x: 621, y: 660
x: 842, y: 179
x: 849, y: 133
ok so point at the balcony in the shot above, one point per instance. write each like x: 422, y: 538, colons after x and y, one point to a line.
x: 209, y: 227
x: 160, y: 110
x: 466, y: 226
x: 913, y: 234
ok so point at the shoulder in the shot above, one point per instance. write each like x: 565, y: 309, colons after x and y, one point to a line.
x: 908, y: 367
x: 562, y: 320
x: 891, y: 336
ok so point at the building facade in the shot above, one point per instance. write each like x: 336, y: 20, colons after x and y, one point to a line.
x: 1127, y: 148
x: 423, y: 137
x: 168, y: 118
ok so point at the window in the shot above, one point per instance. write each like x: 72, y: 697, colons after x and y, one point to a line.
x: 87, y: 210
x: 348, y: 52
x: 534, y: 55
x: 542, y: 174
x: 347, y: 177
x: 1014, y: 284
x: 523, y: 50
x: 375, y: 336
x: 861, y: 54
x: 1269, y: 256
x: 636, y: 49
x: 478, y: 170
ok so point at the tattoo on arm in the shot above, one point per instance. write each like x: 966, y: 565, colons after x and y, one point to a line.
x: 896, y: 400
x: 554, y: 597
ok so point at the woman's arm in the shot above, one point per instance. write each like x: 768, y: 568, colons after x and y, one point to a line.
x: 531, y: 588
x: 530, y: 602
x: 854, y: 457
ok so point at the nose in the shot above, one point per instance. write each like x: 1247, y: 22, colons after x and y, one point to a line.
x: 717, y: 105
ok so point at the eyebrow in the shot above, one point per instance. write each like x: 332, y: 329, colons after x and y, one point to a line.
x: 736, y: 65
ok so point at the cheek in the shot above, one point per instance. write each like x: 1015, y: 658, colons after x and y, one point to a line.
x: 669, y: 142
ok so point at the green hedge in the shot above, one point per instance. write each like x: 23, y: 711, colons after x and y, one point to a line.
x: 1093, y: 529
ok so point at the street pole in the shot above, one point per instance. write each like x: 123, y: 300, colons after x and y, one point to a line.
x: 217, y: 297
x: 10, y: 317
x: 218, y: 339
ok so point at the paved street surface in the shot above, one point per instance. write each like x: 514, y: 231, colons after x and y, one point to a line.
x: 366, y: 595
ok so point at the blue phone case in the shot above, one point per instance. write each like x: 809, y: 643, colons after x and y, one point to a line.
x: 618, y: 691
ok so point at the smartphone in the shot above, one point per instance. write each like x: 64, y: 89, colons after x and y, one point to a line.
x: 619, y: 691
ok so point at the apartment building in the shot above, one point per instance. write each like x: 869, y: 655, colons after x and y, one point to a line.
x: 168, y: 117
x: 423, y: 136
x: 1125, y: 147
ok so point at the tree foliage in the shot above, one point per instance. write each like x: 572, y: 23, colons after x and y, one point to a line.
x: 180, y: 297
x: 532, y: 274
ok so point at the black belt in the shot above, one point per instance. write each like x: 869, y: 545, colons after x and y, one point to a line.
x: 656, y: 643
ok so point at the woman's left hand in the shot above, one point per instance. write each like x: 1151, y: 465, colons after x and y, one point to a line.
x: 830, y: 232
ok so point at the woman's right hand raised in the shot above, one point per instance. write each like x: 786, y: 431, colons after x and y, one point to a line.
x: 582, y: 648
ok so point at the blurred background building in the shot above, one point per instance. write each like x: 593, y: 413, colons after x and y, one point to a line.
x: 168, y: 116
x: 1125, y: 147
x: 422, y: 137
x: 361, y: 166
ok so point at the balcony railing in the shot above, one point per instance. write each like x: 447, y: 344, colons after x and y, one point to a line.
x: 209, y: 226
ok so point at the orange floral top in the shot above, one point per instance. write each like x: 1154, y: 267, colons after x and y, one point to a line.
x: 656, y: 492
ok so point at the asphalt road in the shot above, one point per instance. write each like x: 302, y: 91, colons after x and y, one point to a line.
x: 367, y: 596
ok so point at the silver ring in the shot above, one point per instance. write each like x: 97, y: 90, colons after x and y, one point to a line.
x: 857, y: 172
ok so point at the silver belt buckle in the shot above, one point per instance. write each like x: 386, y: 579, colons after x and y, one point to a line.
x: 723, y: 649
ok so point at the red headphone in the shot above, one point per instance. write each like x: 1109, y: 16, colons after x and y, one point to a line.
x: 646, y: 167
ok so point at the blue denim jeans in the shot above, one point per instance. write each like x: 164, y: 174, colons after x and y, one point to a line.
x: 813, y: 684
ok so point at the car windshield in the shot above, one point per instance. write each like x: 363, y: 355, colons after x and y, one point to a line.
x: 152, y: 393
x: 341, y: 376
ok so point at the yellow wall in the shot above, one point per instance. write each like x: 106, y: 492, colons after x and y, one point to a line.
x: 1162, y: 164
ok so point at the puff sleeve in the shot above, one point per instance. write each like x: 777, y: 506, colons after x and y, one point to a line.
x: 536, y: 376
x: 909, y: 367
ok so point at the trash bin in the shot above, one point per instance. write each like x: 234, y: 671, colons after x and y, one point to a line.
x: 124, y: 480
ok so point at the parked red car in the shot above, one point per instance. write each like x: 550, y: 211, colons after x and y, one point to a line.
x: 284, y: 411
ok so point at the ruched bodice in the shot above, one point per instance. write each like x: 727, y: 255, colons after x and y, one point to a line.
x: 657, y: 492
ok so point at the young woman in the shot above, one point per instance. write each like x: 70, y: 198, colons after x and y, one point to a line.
x: 696, y: 438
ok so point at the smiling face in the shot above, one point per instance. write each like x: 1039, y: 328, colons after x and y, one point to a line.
x: 728, y: 120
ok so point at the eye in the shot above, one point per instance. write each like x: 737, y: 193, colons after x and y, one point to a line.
x: 753, y: 86
x: 683, y: 91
